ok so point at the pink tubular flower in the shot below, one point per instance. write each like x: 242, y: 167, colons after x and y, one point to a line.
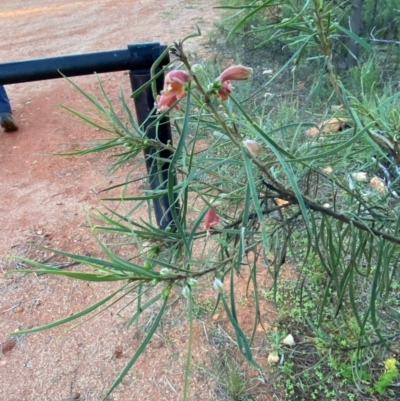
x: 236, y: 73
x: 174, y: 89
x: 225, y: 90
x: 174, y: 83
x: 211, y: 219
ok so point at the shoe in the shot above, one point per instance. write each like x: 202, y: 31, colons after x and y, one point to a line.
x: 7, y: 122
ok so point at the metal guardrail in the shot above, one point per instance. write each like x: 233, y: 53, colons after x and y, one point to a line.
x: 137, y: 59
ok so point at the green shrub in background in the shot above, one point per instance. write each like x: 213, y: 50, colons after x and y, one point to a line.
x: 285, y: 26
x: 382, y: 17
x: 340, y: 234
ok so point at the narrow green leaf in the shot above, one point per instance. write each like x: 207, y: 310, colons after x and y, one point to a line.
x: 256, y: 200
x: 171, y: 173
x: 189, y: 355
x: 142, y: 308
x: 74, y: 316
x: 249, y: 15
x: 139, y: 351
x: 138, y: 91
x: 338, y: 149
x: 359, y: 40
x: 241, y: 337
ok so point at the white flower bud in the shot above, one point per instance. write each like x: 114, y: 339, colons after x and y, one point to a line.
x: 186, y: 291
x: 164, y: 272
x: 196, y: 68
x: 192, y: 282
x: 218, y: 286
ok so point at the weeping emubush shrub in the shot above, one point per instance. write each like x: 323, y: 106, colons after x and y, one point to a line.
x: 255, y: 196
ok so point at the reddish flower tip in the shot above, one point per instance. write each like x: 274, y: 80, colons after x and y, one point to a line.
x: 178, y: 76
x: 211, y: 219
x: 164, y: 103
x: 225, y: 90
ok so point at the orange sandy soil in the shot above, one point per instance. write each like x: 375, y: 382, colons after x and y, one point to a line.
x: 44, y: 198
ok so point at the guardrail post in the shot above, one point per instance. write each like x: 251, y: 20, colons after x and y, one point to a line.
x: 157, y: 170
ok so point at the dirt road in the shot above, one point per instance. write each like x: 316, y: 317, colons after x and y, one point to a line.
x: 43, y: 199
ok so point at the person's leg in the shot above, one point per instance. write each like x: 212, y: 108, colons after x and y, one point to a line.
x: 6, y: 120
x: 5, y: 106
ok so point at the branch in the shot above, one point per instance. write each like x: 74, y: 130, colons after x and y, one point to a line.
x: 288, y: 195
x: 374, y: 39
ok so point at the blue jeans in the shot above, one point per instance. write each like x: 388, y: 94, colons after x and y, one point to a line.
x: 5, y: 106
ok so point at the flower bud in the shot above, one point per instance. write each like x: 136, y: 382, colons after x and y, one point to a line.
x: 147, y: 265
x: 165, y: 292
x: 218, y: 286
x: 253, y: 147
x: 236, y: 73
x: 211, y: 219
x: 192, y: 282
x: 164, y: 271
x: 154, y: 251
x: 196, y: 68
x: 186, y: 291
